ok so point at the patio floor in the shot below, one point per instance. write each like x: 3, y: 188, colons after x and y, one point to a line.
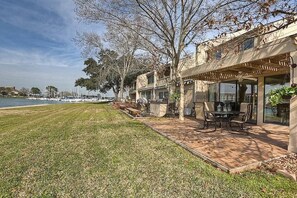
x: 229, y: 150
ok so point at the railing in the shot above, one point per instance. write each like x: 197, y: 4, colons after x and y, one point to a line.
x: 162, y: 82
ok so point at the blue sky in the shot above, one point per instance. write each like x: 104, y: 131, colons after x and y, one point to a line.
x: 36, y: 44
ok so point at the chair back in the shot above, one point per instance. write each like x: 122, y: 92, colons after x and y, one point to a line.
x: 246, y: 108
x: 208, y: 106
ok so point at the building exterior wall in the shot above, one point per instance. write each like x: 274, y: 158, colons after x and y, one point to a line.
x: 268, y: 45
x: 143, y: 87
x: 283, y: 41
x: 201, y: 91
x: 189, y: 96
x: 280, y: 42
x: 187, y: 63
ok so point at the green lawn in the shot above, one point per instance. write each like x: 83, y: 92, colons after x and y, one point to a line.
x: 91, y: 150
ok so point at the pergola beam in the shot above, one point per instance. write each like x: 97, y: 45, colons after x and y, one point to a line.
x: 276, y: 64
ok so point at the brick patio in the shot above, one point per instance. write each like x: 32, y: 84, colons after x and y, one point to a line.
x: 229, y: 150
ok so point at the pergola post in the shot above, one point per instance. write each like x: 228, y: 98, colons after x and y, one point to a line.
x: 293, y: 110
x: 260, y: 105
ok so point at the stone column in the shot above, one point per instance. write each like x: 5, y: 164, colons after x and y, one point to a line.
x: 260, y: 105
x: 155, y: 85
x: 293, y: 112
x: 294, y: 77
x: 136, y: 88
x: 293, y: 126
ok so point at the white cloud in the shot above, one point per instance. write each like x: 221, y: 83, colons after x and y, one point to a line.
x: 38, y: 58
x: 54, y: 20
x: 52, y: 59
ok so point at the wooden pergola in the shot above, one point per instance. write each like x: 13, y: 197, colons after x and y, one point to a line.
x: 265, y: 59
x: 268, y: 66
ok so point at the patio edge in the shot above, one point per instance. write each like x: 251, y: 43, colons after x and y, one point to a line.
x: 214, y: 163
x: 198, y: 154
x: 204, y: 157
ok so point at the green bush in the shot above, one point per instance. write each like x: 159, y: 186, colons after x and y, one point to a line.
x: 276, y: 96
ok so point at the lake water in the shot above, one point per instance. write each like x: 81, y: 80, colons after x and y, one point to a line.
x: 13, y: 102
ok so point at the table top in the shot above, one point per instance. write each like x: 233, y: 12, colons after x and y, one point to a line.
x: 224, y: 112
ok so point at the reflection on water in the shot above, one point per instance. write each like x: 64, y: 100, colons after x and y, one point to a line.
x: 12, y: 102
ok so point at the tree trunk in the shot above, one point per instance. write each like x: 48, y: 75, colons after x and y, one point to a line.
x: 182, y: 98
x: 172, y: 84
x: 116, y: 93
x: 122, y: 89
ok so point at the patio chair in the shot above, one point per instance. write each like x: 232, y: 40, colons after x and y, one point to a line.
x: 244, y: 115
x: 209, y: 117
x: 208, y: 106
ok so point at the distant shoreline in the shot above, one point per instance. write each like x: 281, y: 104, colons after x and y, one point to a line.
x: 15, y: 107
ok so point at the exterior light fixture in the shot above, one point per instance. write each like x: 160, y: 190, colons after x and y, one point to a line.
x: 293, y: 66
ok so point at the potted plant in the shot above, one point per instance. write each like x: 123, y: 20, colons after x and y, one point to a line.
x: 278, y: 95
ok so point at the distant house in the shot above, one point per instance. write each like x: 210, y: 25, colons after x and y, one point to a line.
x: 152, y: 86
x: 8, y: 91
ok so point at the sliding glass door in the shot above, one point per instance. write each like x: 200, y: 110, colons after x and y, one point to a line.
x: 247, y: 91
x: 228, y: 92
x: 276, y: 114
x: 234, y: 93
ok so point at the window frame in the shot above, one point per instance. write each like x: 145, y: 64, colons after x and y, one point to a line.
x: 247, y: 44
x: 150, y: 79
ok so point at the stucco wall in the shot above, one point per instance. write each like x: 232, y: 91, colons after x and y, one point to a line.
x: 189, y: 91
x: 201, y: 91
x: 141, y: 81
x: 282, y: 33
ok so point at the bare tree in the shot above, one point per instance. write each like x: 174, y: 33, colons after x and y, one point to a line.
x: 103, y: 74
x: 24, y: 91
x: 169, y: 27
x: 124, y: 42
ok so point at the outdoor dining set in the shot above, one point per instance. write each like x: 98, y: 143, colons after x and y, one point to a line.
x: 223, y: 114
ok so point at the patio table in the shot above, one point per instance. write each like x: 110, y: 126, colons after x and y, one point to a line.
x: 224, y: 116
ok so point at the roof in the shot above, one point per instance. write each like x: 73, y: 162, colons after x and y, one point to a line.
x: 251, y: 62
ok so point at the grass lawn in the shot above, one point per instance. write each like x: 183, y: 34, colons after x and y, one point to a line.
x: 91, y: 150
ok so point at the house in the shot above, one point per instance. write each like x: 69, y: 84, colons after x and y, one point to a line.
x: 244, y: 68
x: 153, y: 85
x: 10, y: 91
x: 132, y: 91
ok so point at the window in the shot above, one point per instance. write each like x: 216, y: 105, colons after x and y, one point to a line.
x: 276, y: 114
x: 247, y: 44
x: 208, y: 55
x: 166, y: 95
x: 215, y: 54
x: 146, y: 94
x: 167, y: 72
x: 163, y: 95
x: 212, y: 92
x: 228, y: 92
x: 150, y: 79
x: 218, y: 54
